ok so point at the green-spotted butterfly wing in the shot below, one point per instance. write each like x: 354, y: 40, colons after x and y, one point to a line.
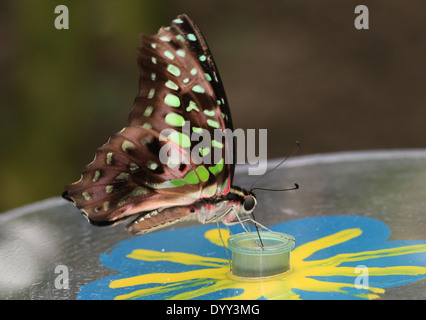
x: 180, y: 95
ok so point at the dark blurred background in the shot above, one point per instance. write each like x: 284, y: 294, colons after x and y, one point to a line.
x: 298, y: 68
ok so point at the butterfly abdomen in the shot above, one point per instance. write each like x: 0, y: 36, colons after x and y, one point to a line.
x: 151, y: 221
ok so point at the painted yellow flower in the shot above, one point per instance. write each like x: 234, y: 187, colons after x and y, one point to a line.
x: 325, y: 267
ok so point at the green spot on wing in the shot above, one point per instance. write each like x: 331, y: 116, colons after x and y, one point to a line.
x: 217, y: 144
x: 191, y: 178
x: 127, y: 145
x: 191, y: 37
x: 106, y: 205
x: 175, y: 119
x: 172, y: 100
x: 165, y: 38
x: 180, y: 38
x: 123, y: 176
x: 217, y: 168
x: 173, y: 70
x: 181, y: 52
x: 151, y: 93
x: 198, y: 89
x: 151, y: 165
x: 209, y: 113
x: 177, y: 183
x: 167, y: 184
x: 213, y: 123
x: 148, y: 111
x: 180, y: 139
x: 204, y: 151
x: 133, y: 166
x: 97, y: 175
x: 171, y: 85
x: 109, y: 158
x: 136, y: 192
x: 203, y: 174
x: 169, y: 55
x: 197, y: 130
x: 192, y: 106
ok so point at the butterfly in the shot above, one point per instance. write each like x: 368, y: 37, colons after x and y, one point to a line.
x: 152, y: 170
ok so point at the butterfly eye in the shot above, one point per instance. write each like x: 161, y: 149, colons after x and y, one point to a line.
x: 249, y: 203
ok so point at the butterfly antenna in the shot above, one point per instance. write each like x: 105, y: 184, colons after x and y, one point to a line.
x: 257, y: 230
x: 296, y: 186
x: 298, y: 146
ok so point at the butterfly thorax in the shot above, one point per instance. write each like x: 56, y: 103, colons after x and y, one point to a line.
x: 225, y: 208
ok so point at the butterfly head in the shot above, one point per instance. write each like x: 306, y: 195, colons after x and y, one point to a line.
x: 249, y: 203
x: 244, y: 203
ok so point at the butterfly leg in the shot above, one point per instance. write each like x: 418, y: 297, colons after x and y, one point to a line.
x: 258, y: 224
x: 224, y: 245
x: 226, y: 213
x: 242, y: 224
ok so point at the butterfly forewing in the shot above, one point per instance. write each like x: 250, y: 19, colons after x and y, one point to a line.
x: 180, y: 95
x: 186, y: 29
x: 195, y: 41
x: 177, y: 70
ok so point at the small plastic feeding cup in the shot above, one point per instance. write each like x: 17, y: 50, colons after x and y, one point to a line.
x: 250, y: 260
